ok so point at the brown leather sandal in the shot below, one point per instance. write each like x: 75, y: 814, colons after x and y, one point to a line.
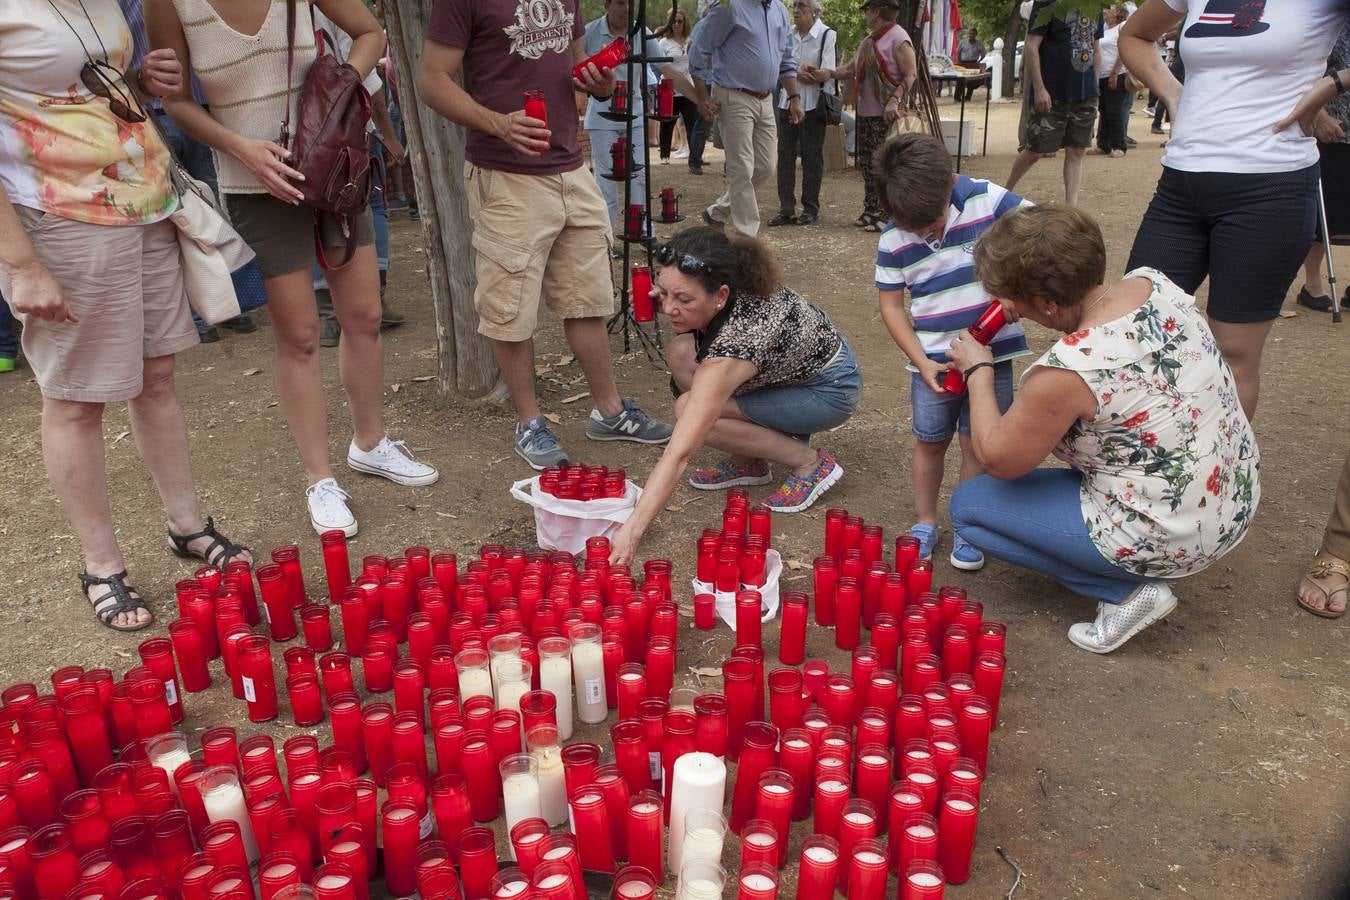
x: 1324, y: 567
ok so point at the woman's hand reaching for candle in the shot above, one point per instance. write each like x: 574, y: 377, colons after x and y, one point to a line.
x: 623, y: 545
x: 525, y: 135
x: 966, y: 352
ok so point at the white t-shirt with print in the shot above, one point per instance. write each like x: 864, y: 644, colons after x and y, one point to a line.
x: 1247, y: 66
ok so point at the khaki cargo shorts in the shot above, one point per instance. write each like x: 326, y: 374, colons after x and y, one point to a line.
x: 537, y: 236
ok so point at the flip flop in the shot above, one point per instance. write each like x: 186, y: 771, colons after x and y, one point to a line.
x: 1324, y: 567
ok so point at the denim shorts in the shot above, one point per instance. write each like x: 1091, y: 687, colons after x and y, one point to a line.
x: 825, y: 401
x: 938, y: 416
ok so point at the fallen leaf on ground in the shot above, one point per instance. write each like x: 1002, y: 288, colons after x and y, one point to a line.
x: 120, y: 436
x: 566, y: 359
x: 554, y: 418
x: 253, y: 371
x: 446, y: 515
x: 395, y: 387
x: 1288, y: 314
x: 708, y: 671
x: 424, y: 378
x: 795, y: 564
x: 575, y: 397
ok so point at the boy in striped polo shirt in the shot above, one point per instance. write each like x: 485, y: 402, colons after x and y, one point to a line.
x: 935, y: 220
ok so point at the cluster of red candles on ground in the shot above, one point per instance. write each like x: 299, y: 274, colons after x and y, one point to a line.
x: 576, y: 481
x: 733, y: 559
x: 900, y: 793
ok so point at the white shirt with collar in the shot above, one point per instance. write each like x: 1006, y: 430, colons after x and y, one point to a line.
x: 807, y: 51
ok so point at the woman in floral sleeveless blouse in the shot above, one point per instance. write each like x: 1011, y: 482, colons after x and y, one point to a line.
x: 1163, y: 474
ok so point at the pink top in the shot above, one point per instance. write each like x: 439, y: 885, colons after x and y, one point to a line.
x: 886, y: 45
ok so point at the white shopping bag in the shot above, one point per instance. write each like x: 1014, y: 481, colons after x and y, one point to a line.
x: 566, y: 524
x: 768, y: 593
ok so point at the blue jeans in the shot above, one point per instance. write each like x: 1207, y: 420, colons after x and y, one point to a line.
x: 1036, y: 522
x: 9, y: 344
x: 197, y: 159
x: 936, y: 417
x: 826, y: 400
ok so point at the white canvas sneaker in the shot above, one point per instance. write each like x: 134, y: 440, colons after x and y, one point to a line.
x: 328, y: 508
x: 1116, y: 623
x: 392, y: 460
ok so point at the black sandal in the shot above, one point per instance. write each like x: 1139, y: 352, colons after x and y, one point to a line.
x: 218, y: 553
x: 105, y: 609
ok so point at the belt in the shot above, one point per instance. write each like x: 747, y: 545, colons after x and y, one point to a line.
x: 758, y: 95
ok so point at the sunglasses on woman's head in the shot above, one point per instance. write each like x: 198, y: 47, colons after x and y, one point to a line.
x: 689, y: 265
x: 98, y: 82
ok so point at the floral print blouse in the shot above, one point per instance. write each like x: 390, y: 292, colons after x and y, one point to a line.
x: 1170, y: 464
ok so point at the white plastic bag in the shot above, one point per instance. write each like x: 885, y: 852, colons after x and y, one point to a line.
x: 768, y: 593
x: 566, y: 524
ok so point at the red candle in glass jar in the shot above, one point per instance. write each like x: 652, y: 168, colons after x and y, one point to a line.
x: 705, y: 611
x: 826, y: 575
x: 590, y: 817
x: 634, y: 883
x: 526, y: 843
x: 848, y: 614
x: 260, y: 688
x: 873, y: 775
x: 792, y: 636
x: 786, y: 704
x: 906, y: 551
x: 188, y: 647
x: 608, y: 57
x: 749, y: 607
x: 830, y: 796
x: 761, y: 844
x: 644, y: 309
x: 758, y: 754
x: 157, y: 654
x: 923, y: 777
x: 797, y: 757
x: 645, y: 816
x: 903, y: 802
x: 819, y: 868
x: 377, y: 729
x: 535, y: 106
x: 919, y: 577
x: 711, y: 732
x: 399, y: 821
x: 306, y: 704
x: 956, y: 823
x: 974, y: 720
x: 991, y: 638
x: 276, y: 599
x: 289, y: 560
x: 838, y: 697
x: 918, y: 840
x: 868, y: 870
x: 660, y: 666
x: 631, y: 688
x: 773, y: 803
x: 336, y: 565
x: 480, y: 771
x: 857, y: 823
x: 317, y: 626
x: 988, y: 674
x: 922, y: 879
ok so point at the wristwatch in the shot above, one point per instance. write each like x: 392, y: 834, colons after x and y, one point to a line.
x: 792, y: 97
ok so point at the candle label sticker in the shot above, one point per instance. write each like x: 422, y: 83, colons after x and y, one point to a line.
x: 595, y: 692
x: 424, y: 827
x: 249, y: 693
x: 267, y: 614
x: 571, y: 821
x: 654, y: 763
x: 170, y: 692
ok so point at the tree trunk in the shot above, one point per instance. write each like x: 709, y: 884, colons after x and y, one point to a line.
x: 1010, y: 35
x: 436, y: 148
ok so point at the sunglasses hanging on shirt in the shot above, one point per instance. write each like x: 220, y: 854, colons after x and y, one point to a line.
x: 101, y: 77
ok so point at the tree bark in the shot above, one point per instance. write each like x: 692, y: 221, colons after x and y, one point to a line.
x: 1010, y: 35
x: 436, y: 148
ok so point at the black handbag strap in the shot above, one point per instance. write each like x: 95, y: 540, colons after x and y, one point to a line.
x: 823, y: 38
x: 285, y: 140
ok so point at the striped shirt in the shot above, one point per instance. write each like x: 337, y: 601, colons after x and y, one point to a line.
x: 945, y: 297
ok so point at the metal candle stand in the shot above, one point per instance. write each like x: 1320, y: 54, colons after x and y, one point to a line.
x: 637, y: 220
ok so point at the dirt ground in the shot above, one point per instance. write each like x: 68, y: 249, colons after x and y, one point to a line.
x: 1206, y: 759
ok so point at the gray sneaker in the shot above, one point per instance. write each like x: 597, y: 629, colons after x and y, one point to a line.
x: 538, y: 445
x: 1116, y: 623
x: 630, y: 424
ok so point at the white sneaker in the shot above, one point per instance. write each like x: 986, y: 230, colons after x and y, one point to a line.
x: 682, y: 153
x: 1116, y: 623
x: 328, y: 508
x: 391, y: 459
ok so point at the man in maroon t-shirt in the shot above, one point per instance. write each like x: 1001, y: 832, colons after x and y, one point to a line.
x: 541, y: 228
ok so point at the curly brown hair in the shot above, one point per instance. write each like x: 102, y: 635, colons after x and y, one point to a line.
x: 1051, y: 252
x: 744, y: 264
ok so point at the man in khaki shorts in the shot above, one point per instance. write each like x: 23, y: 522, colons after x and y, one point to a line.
x: 541, y: 228
x: 1061, y: 65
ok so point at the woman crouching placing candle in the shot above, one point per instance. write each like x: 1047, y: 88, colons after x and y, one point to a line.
x: 1136, y: 398
x: 759, y: 370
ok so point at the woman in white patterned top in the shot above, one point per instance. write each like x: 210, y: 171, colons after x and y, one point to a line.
x: 1136, y: 398
x: 240, y: 54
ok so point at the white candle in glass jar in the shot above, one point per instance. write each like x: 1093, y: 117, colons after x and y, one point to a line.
x: 588, y: 670
x: 520, y: 796
x: 225, y: 802
x: 552, y: 786
x: 555, y: 676
x: 509, y: 694
x: 701, y: 889
x: 474, y: 683
x: 699, y: 781
x: 702, y: 843
x: 170, y: 761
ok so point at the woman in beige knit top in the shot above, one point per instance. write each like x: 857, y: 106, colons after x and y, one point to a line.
x: 238, y: 50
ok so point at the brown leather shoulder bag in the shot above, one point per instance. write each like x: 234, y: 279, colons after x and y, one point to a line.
x: 330, y: 147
